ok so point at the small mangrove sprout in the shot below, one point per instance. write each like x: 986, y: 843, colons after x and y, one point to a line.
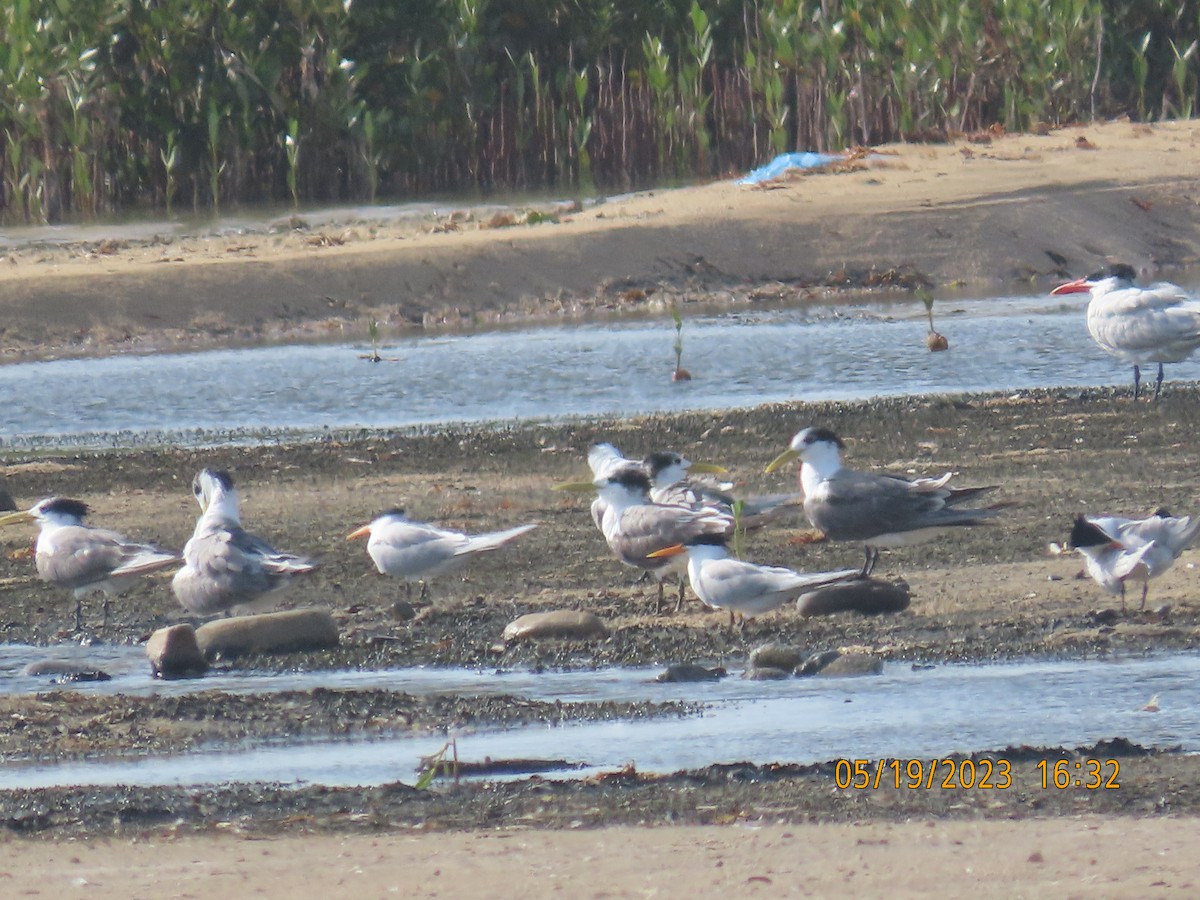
x: 934, y: 340
x: 680, y: 373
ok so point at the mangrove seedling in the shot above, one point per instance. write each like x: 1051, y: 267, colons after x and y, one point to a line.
x: 680, y: 373
x: 934, y: 340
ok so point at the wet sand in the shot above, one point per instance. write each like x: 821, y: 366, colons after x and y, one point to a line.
x: 990, y: 593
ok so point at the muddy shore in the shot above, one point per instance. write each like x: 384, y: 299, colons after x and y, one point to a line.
x: 996, y: 215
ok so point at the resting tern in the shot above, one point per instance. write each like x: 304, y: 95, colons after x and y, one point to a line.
x: 671, y: 483
x: 879, y: 510
x: 224, y: 565
x: 82, y: 558
x: 1157, y: 324
x: 416, y: 551
x: 722, y: 582
x: 1116, y: 550
x: 634, y: 527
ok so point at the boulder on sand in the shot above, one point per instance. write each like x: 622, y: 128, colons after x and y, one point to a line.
x: 869, y: 596
x: 279, y: 632
x: 174, y: 653
x: 559, y: 623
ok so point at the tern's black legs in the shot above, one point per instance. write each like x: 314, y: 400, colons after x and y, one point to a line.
x: 1137, y: 381
x: 1158, y: 382
x: 872, y: 557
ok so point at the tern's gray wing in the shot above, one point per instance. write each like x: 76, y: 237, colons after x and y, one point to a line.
x: 226, y: 567
x: 860, y: 505
x: 81, y: 556
x: 1175, y: 533
x: 651, y: 526
x: 276, y: 563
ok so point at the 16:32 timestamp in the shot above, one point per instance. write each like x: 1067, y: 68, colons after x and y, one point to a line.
x: 1090, y: 774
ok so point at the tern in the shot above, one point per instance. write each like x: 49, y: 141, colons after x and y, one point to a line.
x: 877, y: 509
x: 671, y: 483
x: 1117, y: 550
x: 416, y: 551
x: 82, y: 558
x: 634, y: 527
x: 722, y: 582
x: 1157, y: 324
x: 224, y: 565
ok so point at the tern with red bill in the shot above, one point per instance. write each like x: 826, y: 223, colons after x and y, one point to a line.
x: 744, y: 588
x: 416, y: 551
x: 82, y: 558
x: 1116, y: 550
x: 1155, y: 324
x: 877, y: 509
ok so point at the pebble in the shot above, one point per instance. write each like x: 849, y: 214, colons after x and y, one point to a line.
x: 679, y: 673
x: 278, y: 632
x: 766, y: 673
x: 776, y: 656
x: 558, y: 623
x: 832, y: 664
x: 869, y: 596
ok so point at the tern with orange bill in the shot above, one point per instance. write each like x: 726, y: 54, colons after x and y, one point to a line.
x: 224, y: 565
x: 876, y: 509
x: 84, y: 559
x: 1142, y: 326
x: 416, y: 551
x: 744, y: 588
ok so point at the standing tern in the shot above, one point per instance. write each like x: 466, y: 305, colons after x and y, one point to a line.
x: 82, y: 558
x: 416, y: 551
x: 879, y: 510
x: 1157, y: 324
x: 224, y: 565
x: 634, y: 527
x: 1116, y: 550
x: 722, y: 582
x: 671, y: 483
x: 672, y: 477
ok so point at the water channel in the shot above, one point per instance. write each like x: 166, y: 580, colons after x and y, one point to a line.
x: 738, y: 359
x: 907, y: 712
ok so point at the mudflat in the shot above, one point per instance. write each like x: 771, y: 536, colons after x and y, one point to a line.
x: 975, y: 213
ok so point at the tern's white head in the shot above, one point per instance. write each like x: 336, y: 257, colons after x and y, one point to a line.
x: 52, y: 512
x: 383, y: 520
x: 218, y: 498
x: 819, y: 448
x: 666, y: 467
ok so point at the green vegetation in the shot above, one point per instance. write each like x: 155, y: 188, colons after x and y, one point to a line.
x: 113, y: 104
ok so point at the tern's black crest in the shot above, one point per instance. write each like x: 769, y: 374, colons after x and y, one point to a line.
x: 662, y: 459
x: 1087, y: 534
x: 394, y: 511
x: 631, y: 478
x: 64, y: 506
x: 710, y: 540
x: 823, y: 434
x: 1122, y: 271
x: 1163, y: 513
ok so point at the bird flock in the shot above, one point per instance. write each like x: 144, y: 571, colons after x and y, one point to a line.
x: 658, y: 515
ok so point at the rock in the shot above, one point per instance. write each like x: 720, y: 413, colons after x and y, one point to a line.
x: 6, y: 501
x: 832, y: 664
x: 775, y: 656
x: 64, y: 671
x: 679, y: 673
x: 869, y: 596
x: 280, y: 632
x: 174, y: 653
x: 559, y: 623
x: 403, y: 611
x: 766, y: 673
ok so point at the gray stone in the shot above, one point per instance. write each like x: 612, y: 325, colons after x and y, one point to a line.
x: 766, y: 673
x: 6, y: 501
x: 280, y: 632
x: 832, y: 664
x: 679, y: 673
x: 776, y: 656
x: 559, y: 623
x: 174, y: 653
x: 869, y: 596
x: 64, y: 671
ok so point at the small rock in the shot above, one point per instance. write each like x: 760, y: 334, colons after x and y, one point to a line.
x: 766, y: 673
x: 65, y: 671
x: 6, y: 501
x: 817, y: 662
x: 403, y: 611
x: 558, y: 623
x: 869, y: 596
x: 174, y: 653
x: 280, y: 632
x: 848, y: 664
x: 679, y: 673
x: 776, y: 656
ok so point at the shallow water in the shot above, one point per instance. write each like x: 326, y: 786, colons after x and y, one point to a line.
x: 903, y: 713
x: 738, y: 359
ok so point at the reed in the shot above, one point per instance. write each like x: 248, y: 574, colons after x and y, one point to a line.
x: 107, y: 104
